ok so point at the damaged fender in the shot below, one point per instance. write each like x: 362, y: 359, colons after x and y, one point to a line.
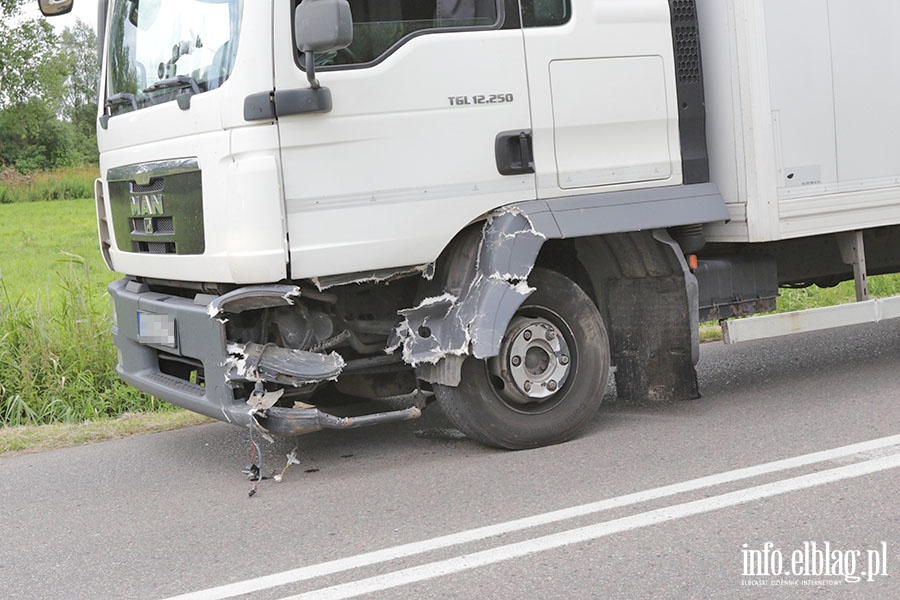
x: 472, y: 322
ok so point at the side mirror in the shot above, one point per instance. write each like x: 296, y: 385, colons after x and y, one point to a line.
x: 321, y: 26
x: 51, y: 8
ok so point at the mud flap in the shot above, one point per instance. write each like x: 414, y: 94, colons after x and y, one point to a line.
x: 651, y: 347
x: 651, y: 304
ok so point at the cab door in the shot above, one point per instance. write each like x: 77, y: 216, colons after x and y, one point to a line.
x: 603, y: 95
x: 407, y: 157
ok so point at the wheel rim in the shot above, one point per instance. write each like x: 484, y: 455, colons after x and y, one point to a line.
x: 534, y: 364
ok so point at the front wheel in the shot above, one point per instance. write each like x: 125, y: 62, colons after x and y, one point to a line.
x: 548, y: 379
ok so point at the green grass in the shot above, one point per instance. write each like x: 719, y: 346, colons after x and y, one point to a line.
x: 880, y: 286
x: 40, y: 241
x: 60, y: 184
x: 33, y: 438
x: 57, y: 362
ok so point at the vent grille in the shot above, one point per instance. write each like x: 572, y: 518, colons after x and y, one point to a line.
x: 156, y: 185
x: 155, y: 247
x: 684, y: 10
x: 687, y: 41
x: 687, y: 54
x: 164, y: 225
x: 151, y: 225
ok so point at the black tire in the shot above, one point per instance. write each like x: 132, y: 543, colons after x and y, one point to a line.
x: 491, y: 404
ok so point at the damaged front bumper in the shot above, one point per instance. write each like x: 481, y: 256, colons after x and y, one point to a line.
x: 175, y: 349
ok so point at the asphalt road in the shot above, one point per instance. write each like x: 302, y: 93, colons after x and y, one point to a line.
x: 794, y: 445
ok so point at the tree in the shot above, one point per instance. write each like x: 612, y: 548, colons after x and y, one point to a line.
x: 47, y: 92
x: 10, y: 7
x: 32, y: 138
x: 78, y: 53
x: 28, y: 65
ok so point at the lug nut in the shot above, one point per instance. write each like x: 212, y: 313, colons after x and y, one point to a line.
x: 551, y: 334
x: 527, y: 335
x: 551, y: 385
x: 516, y: 361
x: 563, y: 360
x: 527, y: 386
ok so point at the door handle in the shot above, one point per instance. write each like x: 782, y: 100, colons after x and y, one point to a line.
x: 513, y: 151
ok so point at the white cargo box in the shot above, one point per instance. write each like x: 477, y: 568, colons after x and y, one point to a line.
x: 803, y: 114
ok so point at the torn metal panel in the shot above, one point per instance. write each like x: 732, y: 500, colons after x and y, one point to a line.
x: 379, y: 276
x: 492, y: 291
x: 253, y: 298
x: 255, y: 362
x: 438, y: 330
x: 510, y: 245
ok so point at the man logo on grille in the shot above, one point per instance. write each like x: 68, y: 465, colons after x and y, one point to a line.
x: 147, y: 204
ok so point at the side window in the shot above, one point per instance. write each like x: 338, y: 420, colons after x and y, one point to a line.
x: 544, y: 13
x: 379, y: 25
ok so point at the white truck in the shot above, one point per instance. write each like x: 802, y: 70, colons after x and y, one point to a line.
x: 485, y: 202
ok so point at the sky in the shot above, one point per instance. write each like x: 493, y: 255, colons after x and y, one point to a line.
x: 86, y: 10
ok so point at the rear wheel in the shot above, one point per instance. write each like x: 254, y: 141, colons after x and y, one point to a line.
x: 548, y: 379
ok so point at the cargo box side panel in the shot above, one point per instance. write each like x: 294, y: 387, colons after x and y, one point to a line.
x: 834, y: 81
x: 802, y: 95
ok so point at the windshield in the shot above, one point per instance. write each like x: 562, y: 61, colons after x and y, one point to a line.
x: 164, y: 49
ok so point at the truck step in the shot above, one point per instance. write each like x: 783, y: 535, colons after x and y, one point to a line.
x: 814, y: 319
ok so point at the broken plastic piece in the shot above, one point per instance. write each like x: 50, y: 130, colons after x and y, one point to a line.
x: 255, y: 362
x: 251, y: 471
x: 253, y: 298
x: 291, y: 460
x: 264, y: 401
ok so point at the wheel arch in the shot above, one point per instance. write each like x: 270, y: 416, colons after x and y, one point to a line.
x: 480, y: 280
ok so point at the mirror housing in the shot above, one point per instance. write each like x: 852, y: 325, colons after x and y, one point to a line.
x: 52, y: 8
x: 323, y: 26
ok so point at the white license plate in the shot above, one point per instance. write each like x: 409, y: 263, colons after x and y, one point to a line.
x: 156, y: 329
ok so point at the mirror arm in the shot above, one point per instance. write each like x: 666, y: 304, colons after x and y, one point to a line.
x: 311, y: 70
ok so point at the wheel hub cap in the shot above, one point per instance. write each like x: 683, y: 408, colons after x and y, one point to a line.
x: 534, y: 361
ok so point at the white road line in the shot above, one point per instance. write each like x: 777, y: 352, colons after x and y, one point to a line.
x: 480, y: 533
x: 593, y: 532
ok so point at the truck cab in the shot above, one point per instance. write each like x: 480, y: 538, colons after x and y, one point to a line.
x: 406, y: 157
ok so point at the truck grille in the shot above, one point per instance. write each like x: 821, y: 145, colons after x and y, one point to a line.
x: 157, y: 207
